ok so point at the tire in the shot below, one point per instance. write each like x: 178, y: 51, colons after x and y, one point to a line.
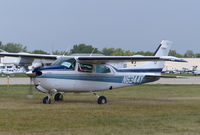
x: 102, y: 100
x: 58, y: 97
x: 46, y: 100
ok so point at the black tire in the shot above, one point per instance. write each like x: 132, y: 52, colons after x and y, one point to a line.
x: 58, y: 97
x: 102, y: 100
x: 46, y: 100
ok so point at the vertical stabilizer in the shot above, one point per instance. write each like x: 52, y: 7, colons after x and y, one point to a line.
x: 162, y: 50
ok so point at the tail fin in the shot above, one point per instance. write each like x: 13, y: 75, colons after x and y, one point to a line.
x: 162, y: 50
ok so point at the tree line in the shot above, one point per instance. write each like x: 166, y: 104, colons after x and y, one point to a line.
x: 83, y: 48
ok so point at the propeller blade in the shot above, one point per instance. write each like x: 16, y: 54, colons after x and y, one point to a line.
x: 30, y: 92
x: 30, y: 74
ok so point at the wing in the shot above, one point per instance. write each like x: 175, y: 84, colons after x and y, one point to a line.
x: 28, y: 55
x: 116, y: 59
x: 27, y: 58
x: 93, y: 59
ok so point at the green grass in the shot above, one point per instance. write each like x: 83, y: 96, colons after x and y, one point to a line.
x: 138, y: 110
x: 14, y: 75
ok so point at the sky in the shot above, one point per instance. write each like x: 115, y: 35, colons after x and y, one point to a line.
x: 135, y: 25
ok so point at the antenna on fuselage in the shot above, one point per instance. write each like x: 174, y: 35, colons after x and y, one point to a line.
x: 1, y: 50
x: 92, y: 52
x: 65, y: 52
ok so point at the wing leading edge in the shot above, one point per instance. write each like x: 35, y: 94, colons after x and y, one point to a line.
x: 27, y: 55
x: 116, y: 59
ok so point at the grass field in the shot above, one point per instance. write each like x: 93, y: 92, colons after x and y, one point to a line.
x: 14, y: 75
x: 138, y: 110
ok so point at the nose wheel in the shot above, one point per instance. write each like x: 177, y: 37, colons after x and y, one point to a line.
x: 57, y: 97
x: 47, y: 100
x: 100, y: 99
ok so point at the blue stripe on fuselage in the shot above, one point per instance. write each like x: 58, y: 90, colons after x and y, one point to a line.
x: 149, y: 70
x: 154, y: 70
x: 59, y: 68
x: 105, y: 78
x: 130, y: 79
x: 144, y: 70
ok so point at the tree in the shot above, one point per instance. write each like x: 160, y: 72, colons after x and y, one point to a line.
x: 174, y: 53
x: 13, y: 47
x: 83, y: 48
x: 148, y: 53
x: 39, y: 52
x: 197, y: 55
x: 60, y: 52
x: 116, y: 52
x: 108, y: 51
x: 1, y: 46
x: 189, y: 54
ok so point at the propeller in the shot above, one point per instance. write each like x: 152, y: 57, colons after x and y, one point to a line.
x: 30, y: 92
x: 32, y: 74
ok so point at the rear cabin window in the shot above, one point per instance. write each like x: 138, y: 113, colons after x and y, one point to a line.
x: 85, y: 68
x: 102, y: 69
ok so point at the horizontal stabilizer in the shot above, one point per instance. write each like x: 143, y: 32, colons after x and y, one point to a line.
x: 165, y: 76
x: 172, y: 58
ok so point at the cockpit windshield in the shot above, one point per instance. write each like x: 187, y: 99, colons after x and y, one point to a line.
x: 65, y: 61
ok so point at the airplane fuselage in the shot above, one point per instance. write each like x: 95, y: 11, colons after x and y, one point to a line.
x: 66, y: 80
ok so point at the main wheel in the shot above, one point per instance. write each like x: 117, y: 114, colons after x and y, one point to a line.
x: 58, y: 97
x: 102, y: 100
x: 46, y: 100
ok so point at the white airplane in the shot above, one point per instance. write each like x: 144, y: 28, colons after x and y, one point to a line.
x: 25, y: 59
x: 95, y: 73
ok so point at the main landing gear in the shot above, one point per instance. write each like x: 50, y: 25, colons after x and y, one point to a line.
x: 47, y: 100
x: 100, y: 99
x: 57, y: 97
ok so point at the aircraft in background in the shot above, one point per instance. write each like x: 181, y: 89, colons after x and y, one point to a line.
x: 27, y: 59
x: 94, y: 73
x: 196, y: 72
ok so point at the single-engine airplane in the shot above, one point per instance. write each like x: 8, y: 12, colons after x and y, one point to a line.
x: 95, y: 73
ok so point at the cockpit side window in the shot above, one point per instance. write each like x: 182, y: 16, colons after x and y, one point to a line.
x: 69, y: 63
x: 102, y: 69
x: 85, y: 68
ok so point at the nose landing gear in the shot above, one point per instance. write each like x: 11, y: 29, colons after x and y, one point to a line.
x: 47, y: 100
x: 57, y: 97
x: 100, y: 99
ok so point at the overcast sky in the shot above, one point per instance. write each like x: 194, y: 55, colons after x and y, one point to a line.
x: 129, y: 24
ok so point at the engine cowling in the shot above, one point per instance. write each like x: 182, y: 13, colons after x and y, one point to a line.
x: 36, y: 65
